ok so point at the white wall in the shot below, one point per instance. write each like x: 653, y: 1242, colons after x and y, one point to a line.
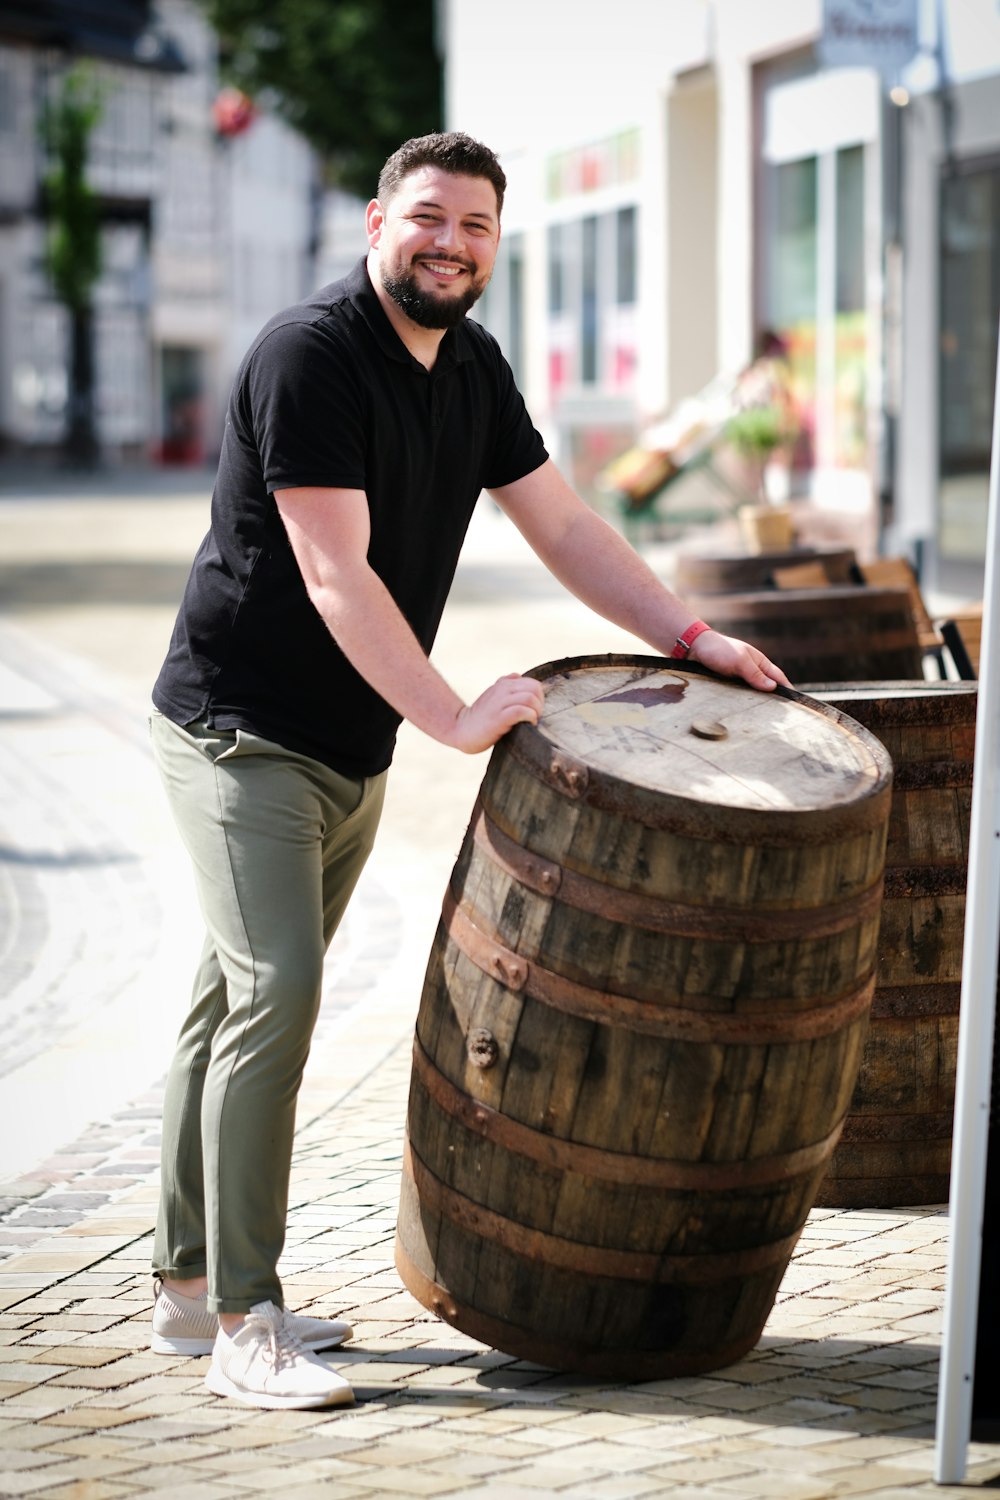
x: 271, y: 206
x: 558, y: 75
x: 342, y: 235
x: 554, y: 73
x: 233, y: 219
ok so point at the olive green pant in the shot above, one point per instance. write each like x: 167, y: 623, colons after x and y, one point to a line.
x: 278, y: 841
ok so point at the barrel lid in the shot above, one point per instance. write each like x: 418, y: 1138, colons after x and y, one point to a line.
x: 678, y: 730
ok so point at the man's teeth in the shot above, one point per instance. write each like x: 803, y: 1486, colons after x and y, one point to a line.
x: 442, y: 270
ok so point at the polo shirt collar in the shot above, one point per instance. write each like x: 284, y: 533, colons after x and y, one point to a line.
x: 454, y: 349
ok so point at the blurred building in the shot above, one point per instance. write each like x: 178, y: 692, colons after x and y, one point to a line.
x: 210, y: 217
x: 688, y: 181
x: 234, y: 238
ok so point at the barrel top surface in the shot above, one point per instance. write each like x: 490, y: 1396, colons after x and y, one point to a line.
x: 673, y: 730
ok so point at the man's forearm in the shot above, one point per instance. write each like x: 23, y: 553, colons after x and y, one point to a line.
x: 623, y: 588
x: 329, y: 533
x: 377, y: 640
x: 599, y: 566
x: 374, y: 635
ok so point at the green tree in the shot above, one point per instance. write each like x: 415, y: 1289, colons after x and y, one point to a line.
x: 356, y: 77
x: 73, y: 245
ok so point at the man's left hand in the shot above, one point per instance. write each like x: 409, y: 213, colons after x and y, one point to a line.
x: 733, y: 658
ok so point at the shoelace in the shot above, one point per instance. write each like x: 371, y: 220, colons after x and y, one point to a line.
x: 283, y: 1344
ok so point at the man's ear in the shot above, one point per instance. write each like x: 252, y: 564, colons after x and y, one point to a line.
x: 374, y: 219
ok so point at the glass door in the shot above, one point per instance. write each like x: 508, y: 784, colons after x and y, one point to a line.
x: 970, y: 309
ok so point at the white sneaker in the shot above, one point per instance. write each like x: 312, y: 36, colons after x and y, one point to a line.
x: 184, y: 1325
x: 265, y: 1364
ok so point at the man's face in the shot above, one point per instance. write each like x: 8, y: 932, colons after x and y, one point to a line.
x: 437, y: 240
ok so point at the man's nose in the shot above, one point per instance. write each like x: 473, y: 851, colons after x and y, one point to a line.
x: 449, y: 235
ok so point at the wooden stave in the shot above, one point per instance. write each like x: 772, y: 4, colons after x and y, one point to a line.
x: 627, y: 1363
x: 774, y: 978
x: 755, y: 1300
x: 896, y: 1149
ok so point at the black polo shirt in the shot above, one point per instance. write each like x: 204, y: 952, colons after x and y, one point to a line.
x: 329, y: 395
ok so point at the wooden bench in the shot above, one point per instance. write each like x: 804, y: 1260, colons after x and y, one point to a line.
x: 897, y: 573
x: 805, y: 575
x: 880, y: 573
x: 962, y: 633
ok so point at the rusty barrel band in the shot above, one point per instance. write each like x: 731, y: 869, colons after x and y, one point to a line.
x: 907, y: 882
x: 744, y: 924
x: 932, y: 775
x: 543, y: 1248
x: 893, y: 1130
x: 603, y: 1165
x: 883, y: 1192
x: 767, y: 1026
x: 908, y: 1002
x: 624, y: 1363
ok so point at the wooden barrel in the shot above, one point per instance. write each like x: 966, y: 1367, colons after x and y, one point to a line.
x: 642, y: 1017
x: 896, y: 1144
x: 845, y: 633
x: 734, y: 573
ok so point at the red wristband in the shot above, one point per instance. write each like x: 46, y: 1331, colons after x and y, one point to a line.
x: 687, y: 640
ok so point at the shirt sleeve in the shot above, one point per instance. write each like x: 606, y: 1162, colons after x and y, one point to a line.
x: 303, y: 405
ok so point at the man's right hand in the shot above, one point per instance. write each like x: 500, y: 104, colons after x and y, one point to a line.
x: 511, y: 700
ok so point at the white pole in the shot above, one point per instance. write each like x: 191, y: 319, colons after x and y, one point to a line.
x: 977, y: 1020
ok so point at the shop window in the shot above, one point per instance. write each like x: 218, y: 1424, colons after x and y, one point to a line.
x: 970, y: 310
x: 182, y: 383
x: 815, y: 300
x: 625, y: 257
x: 592, y: 292
x: 588, y: 303
x: 501, y: 307
x: 793, y: 285
x: 850, y: 229
x: 557, y: 295
x: 8, y: 95
x: 850, y: 322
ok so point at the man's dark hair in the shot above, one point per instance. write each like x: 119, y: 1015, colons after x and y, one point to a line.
x: 451, y: 151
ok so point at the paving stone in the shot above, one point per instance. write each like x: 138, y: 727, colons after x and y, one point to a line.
x: 75, y: 1201
x: 87, y: 1417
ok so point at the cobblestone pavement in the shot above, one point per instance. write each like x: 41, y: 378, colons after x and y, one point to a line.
x: 97, y: 937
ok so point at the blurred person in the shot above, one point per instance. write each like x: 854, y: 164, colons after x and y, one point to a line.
x: 363, y: 425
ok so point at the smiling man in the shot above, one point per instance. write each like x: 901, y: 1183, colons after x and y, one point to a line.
x: 363, y: 425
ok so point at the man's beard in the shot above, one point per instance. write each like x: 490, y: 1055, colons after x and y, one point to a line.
x: 427, y: 308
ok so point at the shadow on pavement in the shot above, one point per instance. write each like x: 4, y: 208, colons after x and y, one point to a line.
x: 46, y: 584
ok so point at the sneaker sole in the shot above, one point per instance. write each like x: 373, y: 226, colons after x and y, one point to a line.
x: 220, y: 1385
x: 161, y: 1344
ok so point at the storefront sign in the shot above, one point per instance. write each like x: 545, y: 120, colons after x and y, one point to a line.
x: 879, y: 34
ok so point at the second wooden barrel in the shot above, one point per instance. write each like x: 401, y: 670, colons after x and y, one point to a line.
x: 840, y: 634
x: 896, y: 1144
x: 642, y: 1018
x: 729, y: 573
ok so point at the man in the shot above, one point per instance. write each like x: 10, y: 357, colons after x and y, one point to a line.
x: 363, y: 425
